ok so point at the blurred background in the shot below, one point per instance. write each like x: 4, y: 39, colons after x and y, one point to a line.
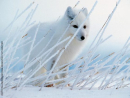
x: 50, y: 10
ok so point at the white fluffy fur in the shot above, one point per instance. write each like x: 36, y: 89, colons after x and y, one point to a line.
x: 57, y: 28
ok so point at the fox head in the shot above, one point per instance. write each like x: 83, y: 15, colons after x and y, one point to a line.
x: 76, y: 20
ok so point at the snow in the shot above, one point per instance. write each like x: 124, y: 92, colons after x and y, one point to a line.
x: 103, y: 9
x: 33, y: 92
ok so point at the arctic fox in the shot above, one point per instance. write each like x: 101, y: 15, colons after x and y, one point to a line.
x: 54, y: 31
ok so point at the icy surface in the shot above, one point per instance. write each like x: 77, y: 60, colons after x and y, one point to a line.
x: 33, y: 92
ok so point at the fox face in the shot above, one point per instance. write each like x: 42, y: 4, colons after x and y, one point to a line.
x: 76, y: 20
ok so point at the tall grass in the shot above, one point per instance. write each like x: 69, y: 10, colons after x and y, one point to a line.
x: 108, y: 72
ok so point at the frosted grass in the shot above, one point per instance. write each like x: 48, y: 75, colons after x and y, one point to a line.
x: 85, y: 74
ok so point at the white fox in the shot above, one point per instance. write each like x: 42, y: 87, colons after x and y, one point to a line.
x: 55, y: 30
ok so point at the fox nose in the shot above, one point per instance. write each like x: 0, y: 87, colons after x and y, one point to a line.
x: 82, y: 37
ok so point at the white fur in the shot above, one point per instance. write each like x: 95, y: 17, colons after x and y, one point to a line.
x: 75, y: 47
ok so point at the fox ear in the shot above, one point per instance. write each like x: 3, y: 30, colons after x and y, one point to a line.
x: 85, y: 11
x: 69, y: 12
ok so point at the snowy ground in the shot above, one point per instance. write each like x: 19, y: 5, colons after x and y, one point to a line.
x: 105, y: 49
x: 33, y: 92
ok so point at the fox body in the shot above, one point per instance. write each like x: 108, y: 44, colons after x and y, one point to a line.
x: 52, y: 32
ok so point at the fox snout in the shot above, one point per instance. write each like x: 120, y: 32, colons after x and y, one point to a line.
x: 82, y: 38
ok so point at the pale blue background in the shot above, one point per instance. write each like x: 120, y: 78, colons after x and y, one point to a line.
x: 49, y: 10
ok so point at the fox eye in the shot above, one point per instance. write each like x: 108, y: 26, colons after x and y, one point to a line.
x: 75, y: 26
x: 84, y: 27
